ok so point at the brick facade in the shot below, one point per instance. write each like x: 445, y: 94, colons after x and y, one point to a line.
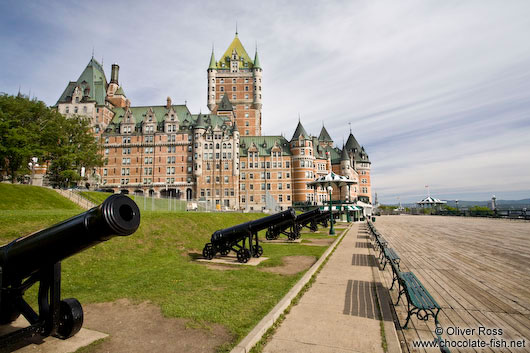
x: 220, y: 157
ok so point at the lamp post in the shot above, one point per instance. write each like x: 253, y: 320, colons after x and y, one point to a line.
x: 457, y: 212
x: 331, y: 229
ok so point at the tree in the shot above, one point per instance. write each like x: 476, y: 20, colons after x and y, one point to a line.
x: 19, y: 118
x: 30, y: 129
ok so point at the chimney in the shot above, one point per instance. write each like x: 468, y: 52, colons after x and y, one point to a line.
x: 168, y: 105
x: 114, y: 73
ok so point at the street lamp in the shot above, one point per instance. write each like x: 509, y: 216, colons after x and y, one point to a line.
x: 331, y: 229
x: 457, y: 212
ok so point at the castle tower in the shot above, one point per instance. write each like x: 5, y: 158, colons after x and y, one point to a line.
x: 238, y: 77
x: 198, y: 146
x: 302, y: 164
x: 361, y: 164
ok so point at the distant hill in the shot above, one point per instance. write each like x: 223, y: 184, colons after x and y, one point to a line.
x: 516, y: 204
x: 27, y: 197
x: 502, y: 204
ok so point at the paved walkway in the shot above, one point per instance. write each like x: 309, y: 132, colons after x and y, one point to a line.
x: 340, y: 312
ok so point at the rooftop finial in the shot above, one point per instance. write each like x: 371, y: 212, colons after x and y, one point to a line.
x: 298, y: 117
x: 92, y: 52
x: 236, y: 28
x: 350, y: 127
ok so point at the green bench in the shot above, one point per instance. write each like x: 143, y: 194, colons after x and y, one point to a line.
x: 419, y: 300
x: 389, y: 255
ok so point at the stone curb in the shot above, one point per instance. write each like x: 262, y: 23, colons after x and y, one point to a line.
x: 255, y: 335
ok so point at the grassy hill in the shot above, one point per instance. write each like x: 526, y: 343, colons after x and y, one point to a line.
x: 157, y: 264
x: 27, y: 197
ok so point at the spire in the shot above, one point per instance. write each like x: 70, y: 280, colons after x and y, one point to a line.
x: 213, y: 64
x: 324, y: 136
x: 200, y: 124
x: 299, y: 131
x: 257, y: 65
x: 235, y: 126
x: 344, y: 155
x: 225, y: 104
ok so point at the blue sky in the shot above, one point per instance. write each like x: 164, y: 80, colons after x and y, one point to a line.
x: 438, y: 92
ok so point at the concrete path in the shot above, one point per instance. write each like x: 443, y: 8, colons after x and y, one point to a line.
x: 341, y: 311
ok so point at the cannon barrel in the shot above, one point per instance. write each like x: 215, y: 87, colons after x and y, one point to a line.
x: 307, y: 216
x: 251, y: 227
x: 117, y: 215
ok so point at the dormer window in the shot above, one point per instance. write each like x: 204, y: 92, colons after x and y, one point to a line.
x: 77, y: 99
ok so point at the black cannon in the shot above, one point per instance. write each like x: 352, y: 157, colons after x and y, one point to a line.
x: 292, y: 228
x: 235, y: 238
x: 288, y: 228
x: 37, y: 258
x: 309, y: 219
x: 323, y: 219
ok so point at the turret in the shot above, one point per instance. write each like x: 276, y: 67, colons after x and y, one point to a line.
x: 212, y: 73
x: 257, y: 75
x: 235, y: 150
x: 198, y: 144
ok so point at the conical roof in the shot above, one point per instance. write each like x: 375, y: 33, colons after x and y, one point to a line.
x: 299, y: 131
x: 225, y: 105
x: 359, y: 154
x: 256, y: 61
x: 213, y: 64
x: 240, y: 50
x: 200, y: 124
x: 344, y: 155
x: 352, y: 144
x: 324, y: 136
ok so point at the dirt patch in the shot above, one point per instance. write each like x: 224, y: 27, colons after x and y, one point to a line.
x: 319, y: 241
x: 142, y: 328
x: 292, y: 265
x: 223, y: 267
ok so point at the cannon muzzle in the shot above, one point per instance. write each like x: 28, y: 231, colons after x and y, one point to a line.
x: 117, y: 215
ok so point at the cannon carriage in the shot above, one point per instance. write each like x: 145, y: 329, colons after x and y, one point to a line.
x: 243, y: 238
x: 37, y: 258
x: 292, y: 229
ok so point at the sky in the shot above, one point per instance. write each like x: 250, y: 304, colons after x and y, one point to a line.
x: 438, y: 92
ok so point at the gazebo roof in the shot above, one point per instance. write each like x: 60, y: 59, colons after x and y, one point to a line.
x: 332, y: 179
x: 429, y: 200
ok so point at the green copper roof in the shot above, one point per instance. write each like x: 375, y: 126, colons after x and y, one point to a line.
x: 359, y: 154
x: 256, y: 61
x: 92, y: 78
x: 344, y: 155
x: 244, y: 59
x: 159, y: 111
x: 213, y: 65
x: 225, y: 105
x: 119, y: 91
x: 324, y: 136
x: 199, y: 123
x: 264, y: 145
x: 299, y: 131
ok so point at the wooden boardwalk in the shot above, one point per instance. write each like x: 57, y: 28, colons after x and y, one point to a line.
x: 477, y: 269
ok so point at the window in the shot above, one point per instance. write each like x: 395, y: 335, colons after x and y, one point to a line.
x: 226, y: 179
x: 208, y: 179
x: 233, y: 88
x: 222, y: 89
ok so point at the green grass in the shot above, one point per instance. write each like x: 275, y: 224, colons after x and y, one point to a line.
x: 144, y: 203
x: 156, y: 264
x: 95, y: 196
x: 30, y: 198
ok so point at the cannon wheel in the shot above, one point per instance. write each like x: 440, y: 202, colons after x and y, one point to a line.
x: 243, y: 255
x: 225, y: 251
x: 71, y: 318
x: 257, y: 250
x: 270, y: 236
x: 208, y: 252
